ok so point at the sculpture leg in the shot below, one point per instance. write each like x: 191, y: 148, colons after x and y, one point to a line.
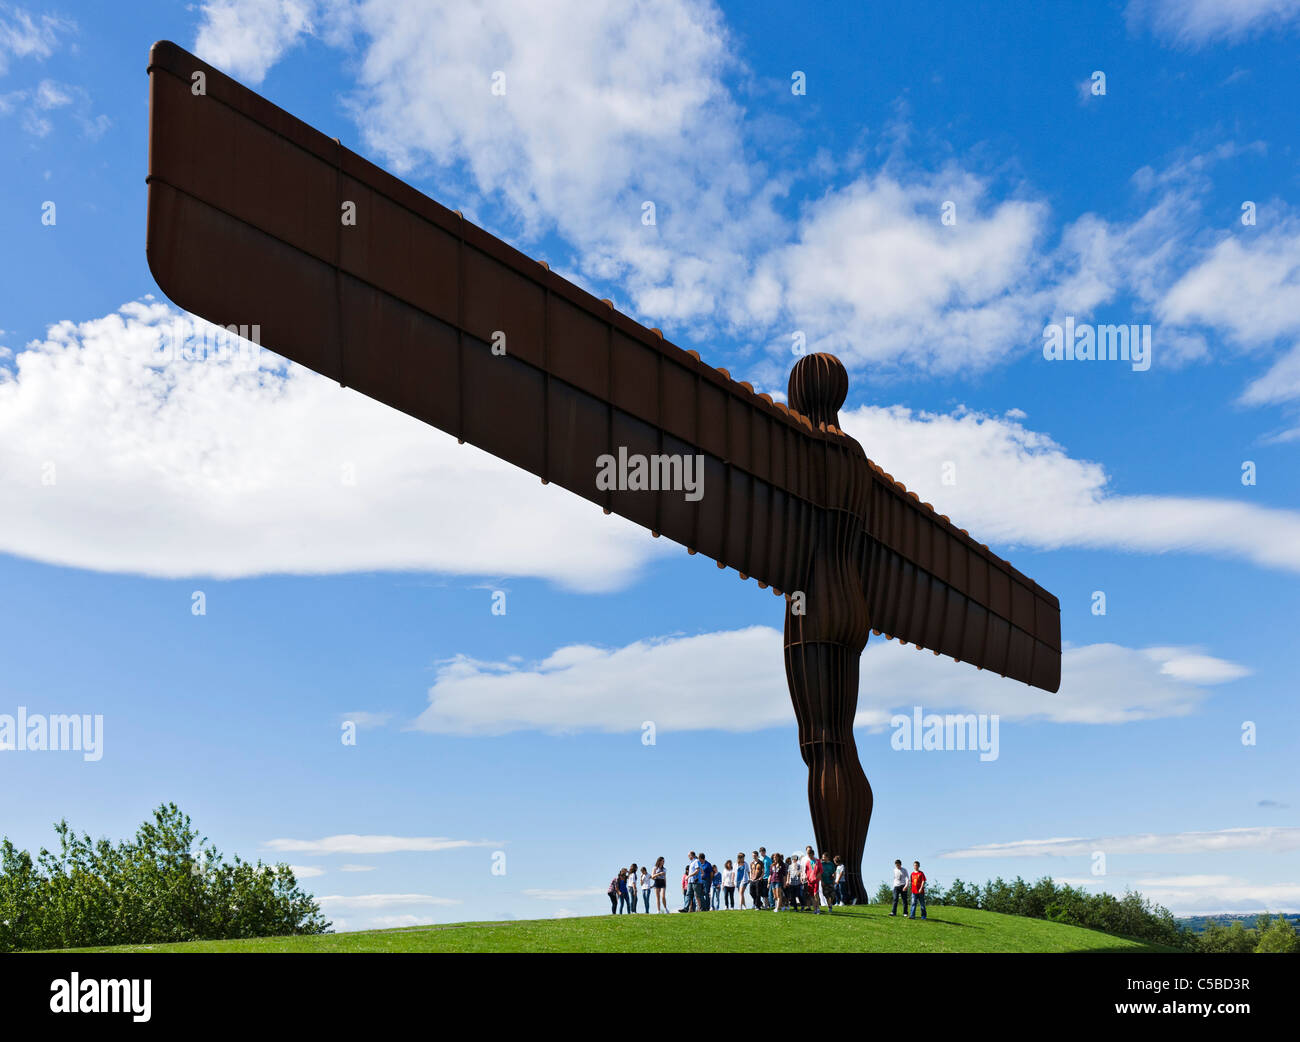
x: 823, y: 679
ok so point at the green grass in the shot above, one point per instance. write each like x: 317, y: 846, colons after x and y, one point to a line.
x: 865, y: 928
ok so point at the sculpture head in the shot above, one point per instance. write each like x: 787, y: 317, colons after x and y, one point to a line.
x: 818, y: 386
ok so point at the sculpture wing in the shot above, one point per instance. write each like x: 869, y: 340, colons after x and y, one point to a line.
x: 246, y: 226
x: 930, y: 584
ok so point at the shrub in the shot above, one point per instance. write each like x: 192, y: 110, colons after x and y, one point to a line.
x: 167, y: 884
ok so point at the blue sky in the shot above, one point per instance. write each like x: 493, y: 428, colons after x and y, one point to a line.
x: 348, y: 557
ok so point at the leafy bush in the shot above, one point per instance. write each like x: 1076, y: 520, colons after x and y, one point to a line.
x: 165, y: 885
x: 1276, y: 935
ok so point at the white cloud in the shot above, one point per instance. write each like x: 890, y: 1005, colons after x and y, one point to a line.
x: 737, y: 683
x: 356, y: 868
x: 355, y: 844
x: 207, y: 468
x: 246, y: 37
x: 1247, y: 286
x: 566, y: 895
x: 395, y: 922
x: 306, y: 871
x: 1198, y: 22
x: 1281, y: 383
x: 875, y: 276
x: 1213, y: 895
x: 1198, y: 881
x: 1195, y: 668
x: 372, y: 901
x: 1187, y: 895
x: 24, y: 35
x: 37, y: 104
x: 1273, y: 839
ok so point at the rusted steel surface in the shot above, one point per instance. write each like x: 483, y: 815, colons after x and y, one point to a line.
x: 245, y: 227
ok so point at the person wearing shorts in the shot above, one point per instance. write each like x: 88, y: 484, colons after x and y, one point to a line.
x: 776, y: 883
x: 660, y: 877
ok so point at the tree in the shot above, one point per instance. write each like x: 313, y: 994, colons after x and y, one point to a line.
x: 1218, y: 938
x: 1276, y: 935
x: 167, y: 884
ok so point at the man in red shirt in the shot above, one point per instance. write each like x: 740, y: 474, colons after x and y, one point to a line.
x: 918, y: 889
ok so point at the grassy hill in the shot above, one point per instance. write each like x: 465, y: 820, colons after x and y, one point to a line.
x: 866, y: 928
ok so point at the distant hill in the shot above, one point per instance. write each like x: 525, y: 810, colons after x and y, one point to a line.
x: 863, y: 928
x: 1197, y: 923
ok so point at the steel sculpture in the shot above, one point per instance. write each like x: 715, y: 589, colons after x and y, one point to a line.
x: 416, y: 307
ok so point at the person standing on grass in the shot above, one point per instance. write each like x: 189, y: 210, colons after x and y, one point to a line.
x: 645, y: 890
x: 767, y: 874
x: 792, y: 887
x: 717, y: 888
x: 918, y: 889
x: 840, y: 895
x: 703, y: 883
x: 900, y: 887
x: 756, y: 880
x: 660, y: 877
x: 631, y: 888
x: 742, y: 877
x: 686, y: 883
x: 828, y: 881
x: 778, y: 883
x: 613, y: 896
x: 827, y: 887
x: 813, y: 883
x: 729, y: 885
x: 622, y: 889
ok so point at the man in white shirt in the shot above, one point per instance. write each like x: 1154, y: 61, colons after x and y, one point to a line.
x: 902, y: 887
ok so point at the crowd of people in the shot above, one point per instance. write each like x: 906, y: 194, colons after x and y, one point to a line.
x: 775, y: 882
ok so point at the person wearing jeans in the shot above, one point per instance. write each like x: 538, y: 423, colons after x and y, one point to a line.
x: 702, y: 884
x: 631, y: 888
x: 918, y: 889
x: 645, y: 890
x: 900, y: 887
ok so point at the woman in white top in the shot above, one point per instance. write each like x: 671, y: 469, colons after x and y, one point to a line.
x: 645, y: 888
x: 729, y: 885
